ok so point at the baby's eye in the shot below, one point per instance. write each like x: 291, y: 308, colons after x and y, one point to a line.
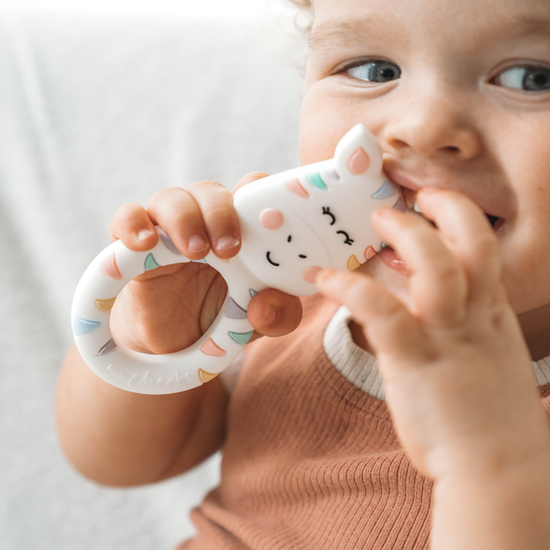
x: 528, y: 78
x: 377, y: 70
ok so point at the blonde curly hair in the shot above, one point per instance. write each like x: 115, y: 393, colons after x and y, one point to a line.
x: 304, y: 16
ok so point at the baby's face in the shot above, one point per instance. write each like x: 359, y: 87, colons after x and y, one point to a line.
x: 459, y: 95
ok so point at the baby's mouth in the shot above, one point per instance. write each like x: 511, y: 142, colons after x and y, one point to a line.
x: 392, y: 259
x: 413, y: 207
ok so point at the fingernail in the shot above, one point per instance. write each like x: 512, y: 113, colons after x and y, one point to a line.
x: 196, y: 243
x: 385, y: 212
x: 325, y: 275
x: 226, y: 242
x: 144, y: 234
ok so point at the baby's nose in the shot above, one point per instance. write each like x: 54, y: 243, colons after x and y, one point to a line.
x: 432, y: 125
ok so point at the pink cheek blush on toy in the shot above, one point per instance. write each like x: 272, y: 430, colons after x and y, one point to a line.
x: 271, y: 218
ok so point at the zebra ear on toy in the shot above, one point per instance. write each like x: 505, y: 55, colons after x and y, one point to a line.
x: 358, y: 153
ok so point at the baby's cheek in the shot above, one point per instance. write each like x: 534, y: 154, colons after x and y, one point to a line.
x: 319, y: 137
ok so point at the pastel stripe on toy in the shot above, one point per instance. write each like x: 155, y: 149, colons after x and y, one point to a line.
x: 241, y: 337
x: 316, y: 180
x: 151, y: 263
x: 234, y: 310
x: 105, y: 305
x: 109, y: 346
x: 387, y: 190
x: 294, y: 186
x: 207, y: 376
x: 168, y: 242
x: 211, y: 348
x: 109, y: 267
x: 83, y: 326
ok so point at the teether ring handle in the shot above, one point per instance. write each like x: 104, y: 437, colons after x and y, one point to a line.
x: 94, y: 298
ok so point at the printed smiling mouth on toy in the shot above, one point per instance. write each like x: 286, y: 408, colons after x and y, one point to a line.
x: 347, y: 240
x: 268, y: 254
x: 270, y: 260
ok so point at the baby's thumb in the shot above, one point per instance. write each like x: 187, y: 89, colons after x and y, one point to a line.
x: 274, y: 313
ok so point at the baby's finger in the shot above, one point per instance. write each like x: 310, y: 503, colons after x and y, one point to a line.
x: 469, y: 236
x: 438, y: 286
x: 274, y: 313
x: 249, y: 178
x: 177, y: 212
x: 132, y: 225
x: 220, y: 219
x: 388, y: 325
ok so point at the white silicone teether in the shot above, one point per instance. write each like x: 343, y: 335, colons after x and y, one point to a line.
x: 292, y: 224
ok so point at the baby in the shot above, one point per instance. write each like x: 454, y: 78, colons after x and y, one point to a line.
x: 411, y: 417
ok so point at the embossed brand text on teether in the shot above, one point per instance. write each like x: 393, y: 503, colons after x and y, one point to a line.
x: 147, y: 381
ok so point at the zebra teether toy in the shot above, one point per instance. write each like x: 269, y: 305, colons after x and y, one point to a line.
x: 292, y: 225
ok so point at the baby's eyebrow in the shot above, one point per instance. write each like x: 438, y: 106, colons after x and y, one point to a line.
x: 333, y: 34
x: 516, y: 27
x: 532, y: 26
x: 329, y: 35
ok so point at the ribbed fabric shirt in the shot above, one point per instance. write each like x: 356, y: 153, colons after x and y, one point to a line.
x: 311, y: 459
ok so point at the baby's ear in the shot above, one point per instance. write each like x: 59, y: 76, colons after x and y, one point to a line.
x: 358, y: 153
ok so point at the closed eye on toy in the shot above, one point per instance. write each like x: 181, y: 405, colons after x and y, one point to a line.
x: 348, y: 240
x: 326, y: 210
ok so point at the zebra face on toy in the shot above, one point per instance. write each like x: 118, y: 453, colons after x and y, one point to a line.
x: 315, y: 217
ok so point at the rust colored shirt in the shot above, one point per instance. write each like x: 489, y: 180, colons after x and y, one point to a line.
x: 310, y: 460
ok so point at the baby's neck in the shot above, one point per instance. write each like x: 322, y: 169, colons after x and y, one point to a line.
x: 359, y: 337
x: 535, y: 325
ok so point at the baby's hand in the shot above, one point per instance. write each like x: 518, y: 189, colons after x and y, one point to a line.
x: 168, y: 309
x: 457, y: 373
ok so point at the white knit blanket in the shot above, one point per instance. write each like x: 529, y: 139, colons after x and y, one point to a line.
x: 96, y: 112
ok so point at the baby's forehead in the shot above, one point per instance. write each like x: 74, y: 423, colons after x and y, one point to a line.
x: 429, y: 23
x: 485, y: 11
